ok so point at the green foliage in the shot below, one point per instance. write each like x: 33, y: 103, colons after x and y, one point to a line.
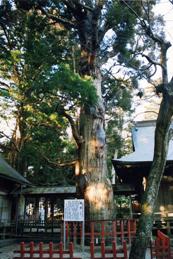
x: 122, y: 21
x: 117, y: 93
x: 118, y: 98
x: 73, y: 86
x: 123, y: 207
x: 41, y: 156
x: 27, y: 68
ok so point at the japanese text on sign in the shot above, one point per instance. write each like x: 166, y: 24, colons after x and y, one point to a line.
x: 73, y: 210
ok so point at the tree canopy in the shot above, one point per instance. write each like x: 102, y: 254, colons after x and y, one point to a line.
x: 40, y: 80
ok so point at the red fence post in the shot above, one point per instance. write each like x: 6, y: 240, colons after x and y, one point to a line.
x: 41, y: 250
x: 122, y: 230
x: 128, y: 231
x: 51, y: 250
x: 114, y: 230
x: 103, y: 249
x: 61, y: 250
x: 22, y: 250
x: 92, y: 249
x: 125, y: 249
x: 92, y: 231
x: 102, y: 231
x: 71, y: 249
x: 31, y: 249
x: 114, y: 249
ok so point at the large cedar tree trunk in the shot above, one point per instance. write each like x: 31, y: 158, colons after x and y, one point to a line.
x: 95, y: 185
x: 93, y: 164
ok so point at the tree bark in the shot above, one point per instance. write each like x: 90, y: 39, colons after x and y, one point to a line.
x: 93, y: 181
x: 16, y: 145
x: 144, y: 231
x: 97, y: 191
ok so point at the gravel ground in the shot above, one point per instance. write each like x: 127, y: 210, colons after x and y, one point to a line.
x: 6, y: 252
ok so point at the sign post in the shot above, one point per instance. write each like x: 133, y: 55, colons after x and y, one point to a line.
x: 74, y: 211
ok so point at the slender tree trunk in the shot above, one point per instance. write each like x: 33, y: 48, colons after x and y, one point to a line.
x: 144, y: 232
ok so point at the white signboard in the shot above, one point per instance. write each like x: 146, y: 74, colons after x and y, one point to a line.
x: 74, y: 210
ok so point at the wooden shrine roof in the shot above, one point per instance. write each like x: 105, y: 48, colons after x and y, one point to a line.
x: 7, y: 172
x: 143, y: 142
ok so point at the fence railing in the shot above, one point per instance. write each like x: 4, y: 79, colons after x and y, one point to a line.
x: 99, y: 230
x: 96, y: 230
x: 42, y: 251
x: 160, y: 248
x: 113, y: 252
x: 52, y: 251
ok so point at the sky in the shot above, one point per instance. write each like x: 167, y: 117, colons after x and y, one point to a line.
x: 164, y: 8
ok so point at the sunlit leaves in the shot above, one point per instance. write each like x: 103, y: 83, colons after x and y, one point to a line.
x: 73, y: 86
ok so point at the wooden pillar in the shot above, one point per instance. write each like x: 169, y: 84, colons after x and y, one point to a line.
x: 21, y: 210
x: 52, y: 204
x: 46, y: 209
x: 36, y: 209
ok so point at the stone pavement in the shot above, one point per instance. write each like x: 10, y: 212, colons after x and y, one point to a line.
x: 6, y: 252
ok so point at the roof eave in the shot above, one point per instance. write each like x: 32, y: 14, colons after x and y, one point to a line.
x: 16, y: 180
x: 135, y: 163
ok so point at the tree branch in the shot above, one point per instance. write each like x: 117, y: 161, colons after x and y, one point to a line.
x: 79, y: 140
x: 146, y: 27
x: 59, y: 164
x: 57, y: 19
x: 4, y: 84
x: 151, y: 61
x: 2, y: 134
x: 4, y: 148
x: 6, y: 35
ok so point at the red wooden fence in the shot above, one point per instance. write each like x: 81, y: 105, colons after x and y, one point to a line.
x: 43, y: 252
x: 109, y: 253
x: 99, y: 230
x: 161, y: 249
